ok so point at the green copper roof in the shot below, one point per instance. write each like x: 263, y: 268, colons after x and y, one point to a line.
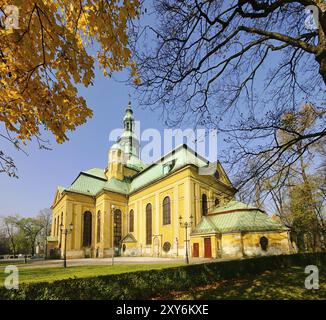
x: 92, y: 185
x: 117, y: 186
x: 205, y: 226
x: 96, y: 172
x: 246, y: 219
x: 94, y: 180
x: 233, y: 205
x: 87, y: 185
x: 180, y: 157
x: 135, y: 163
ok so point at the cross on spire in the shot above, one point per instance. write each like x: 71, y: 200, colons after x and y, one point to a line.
x: 129, y: 95
x: 129, y: 103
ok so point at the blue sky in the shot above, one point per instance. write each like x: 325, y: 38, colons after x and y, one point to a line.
x: 41, y: 171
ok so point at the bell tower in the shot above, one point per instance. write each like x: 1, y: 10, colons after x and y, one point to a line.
x: 123, y: 157
x: 115, y: 162
x: 128, y: 139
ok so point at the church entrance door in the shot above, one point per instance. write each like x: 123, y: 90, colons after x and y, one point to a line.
x: 207, y: 248
x: 195, y: 250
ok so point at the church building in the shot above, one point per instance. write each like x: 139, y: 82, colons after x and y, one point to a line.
x: 163, y: 209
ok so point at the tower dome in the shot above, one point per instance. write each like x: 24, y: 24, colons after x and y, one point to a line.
x: 129, y: 140
x: 124, y: 154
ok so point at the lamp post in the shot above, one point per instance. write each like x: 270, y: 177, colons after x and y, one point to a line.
x: 65, y: 231
x: 186, y: 225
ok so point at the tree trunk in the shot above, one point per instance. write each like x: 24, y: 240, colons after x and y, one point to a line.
x: 321, y: 48
x: 321, y: 59
x: 315, y: 226
x: 13, y: 246
x: 33, y: 247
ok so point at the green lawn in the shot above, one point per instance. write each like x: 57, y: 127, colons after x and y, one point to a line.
x: 279, y: 284
x: 285, y: 283
x: 28, y: 275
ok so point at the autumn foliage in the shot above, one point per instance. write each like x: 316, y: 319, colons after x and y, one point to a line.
x: 56, y: 48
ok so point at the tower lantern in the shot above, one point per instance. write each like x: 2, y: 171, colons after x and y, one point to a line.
x: 123, y: 157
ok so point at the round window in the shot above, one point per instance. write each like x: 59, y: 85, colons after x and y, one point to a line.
x: 166, y: 246
x: 217, y: 175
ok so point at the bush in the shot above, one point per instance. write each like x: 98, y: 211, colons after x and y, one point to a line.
x: 144, y: 284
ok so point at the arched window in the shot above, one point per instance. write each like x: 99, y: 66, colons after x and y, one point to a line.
x: 58, y: 222
x: 149, y: 224
x: 131, y: 221
x: 117, y: 224
x: 87, y: 234
x: 263, y: 243
x: 98, y: 232
x: 217, y: 202
x: 204, y: 208
x: 166, y: 211
x: 55, y: 226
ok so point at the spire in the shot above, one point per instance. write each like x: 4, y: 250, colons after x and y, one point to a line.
x: 129, y: 108
x: 128, y: 139
x: 128, y: 119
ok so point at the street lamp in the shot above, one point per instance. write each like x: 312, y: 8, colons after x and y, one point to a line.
x: 65, y: 231
x: 186, y: 225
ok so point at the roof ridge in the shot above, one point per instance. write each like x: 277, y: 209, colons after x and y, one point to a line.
x: 92, y: 175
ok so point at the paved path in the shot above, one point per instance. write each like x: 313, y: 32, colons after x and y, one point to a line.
x: 107, y: 261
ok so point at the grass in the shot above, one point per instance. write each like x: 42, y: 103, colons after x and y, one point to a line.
x: 279, y: 284
x: 44, y: 274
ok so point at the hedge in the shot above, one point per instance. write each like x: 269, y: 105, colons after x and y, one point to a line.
x: 145, y: 284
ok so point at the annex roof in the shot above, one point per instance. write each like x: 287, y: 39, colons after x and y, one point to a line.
x: 236, y: 216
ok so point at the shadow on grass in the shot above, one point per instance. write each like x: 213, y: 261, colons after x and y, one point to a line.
x: 279, y: 284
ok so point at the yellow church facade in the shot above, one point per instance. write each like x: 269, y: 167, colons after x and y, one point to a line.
x: 133, y: 209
